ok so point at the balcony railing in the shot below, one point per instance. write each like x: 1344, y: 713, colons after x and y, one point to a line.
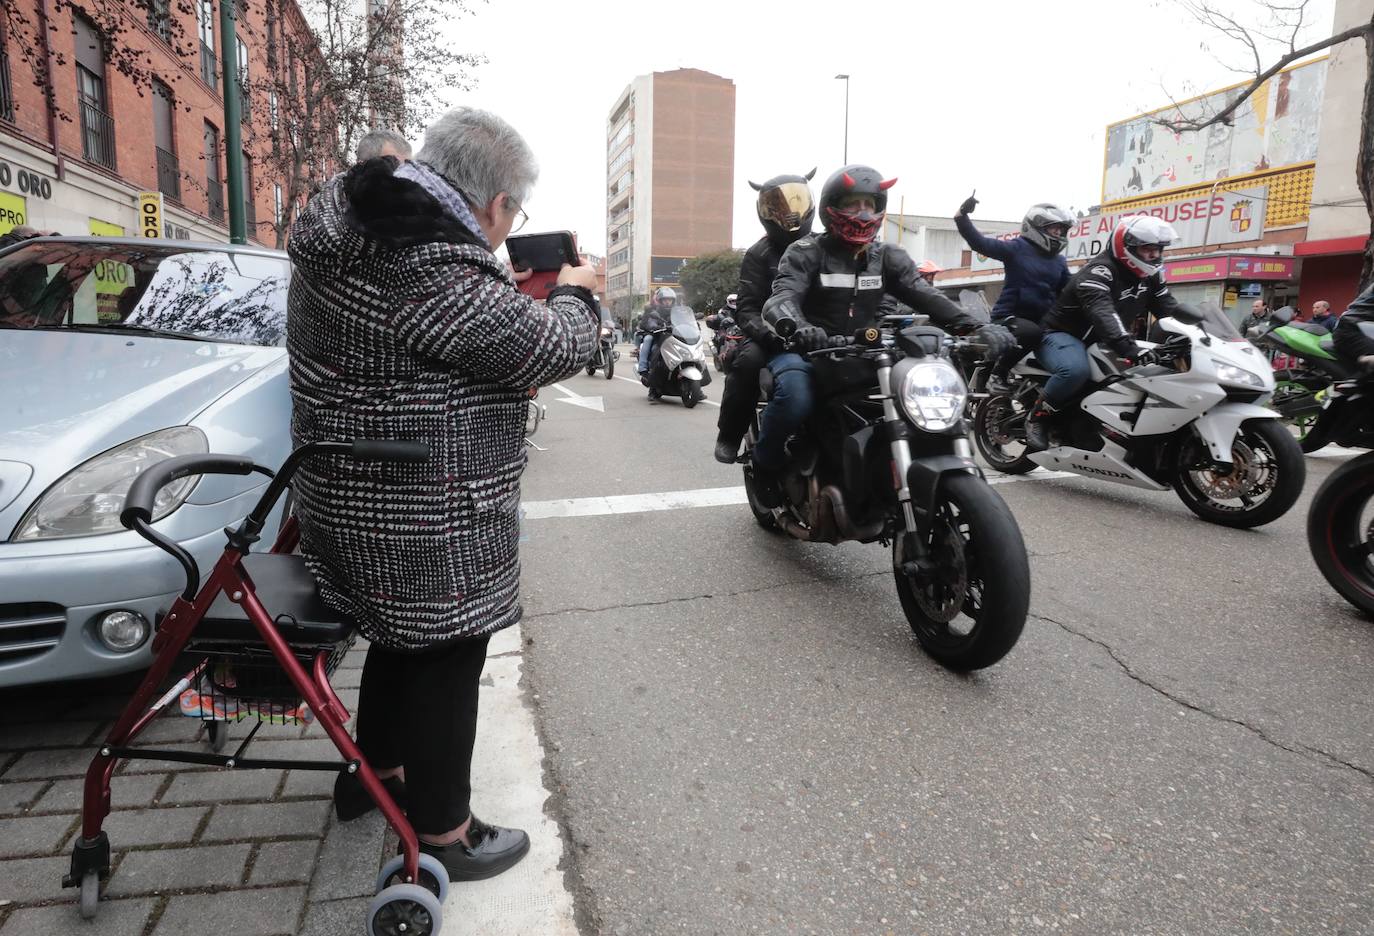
x: 209, y: 66
x: 6, y: 92
x: 97, y: 135
x: 168, y: 174
x: 214, y: 191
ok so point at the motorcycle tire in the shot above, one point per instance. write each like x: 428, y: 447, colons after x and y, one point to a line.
x: 974, y: 532
x: 690, y: 392
x: 610, y: 364
x: 985, y: 416
x: 762, y: 515
x: 1286, y: 459
x: 1339, y: 542
x: 1315, y: 438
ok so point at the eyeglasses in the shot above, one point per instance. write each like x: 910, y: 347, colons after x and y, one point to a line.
x: 520, y: 217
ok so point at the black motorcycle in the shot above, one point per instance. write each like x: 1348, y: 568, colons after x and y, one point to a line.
x: 725, y: 339
x: 884, y: 458
x: 605, y: 355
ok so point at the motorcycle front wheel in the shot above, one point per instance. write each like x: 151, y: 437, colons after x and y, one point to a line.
x: 610, y: 363
x: 1340, y: 531
x: 999, y: 431
x: 690, y: 392
x: 1262, y: 483
x: 967, y: 606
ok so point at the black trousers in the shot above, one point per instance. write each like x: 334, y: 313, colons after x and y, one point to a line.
x: 419, y: 711
x: 741, y: 391
x: 1028, y: 335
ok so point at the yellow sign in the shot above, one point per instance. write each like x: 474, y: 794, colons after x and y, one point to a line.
x: 150, y: 214
x: 14, y: 211
x: 104, y: 228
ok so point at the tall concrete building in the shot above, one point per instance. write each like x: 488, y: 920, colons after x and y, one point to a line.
x: 670, y: 179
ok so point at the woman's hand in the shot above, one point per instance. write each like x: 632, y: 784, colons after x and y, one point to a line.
x: 583, y: 275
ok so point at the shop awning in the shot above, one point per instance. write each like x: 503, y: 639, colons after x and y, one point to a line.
x: 1330, y: 247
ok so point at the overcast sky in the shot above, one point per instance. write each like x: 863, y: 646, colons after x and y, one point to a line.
x: 1011, y: 98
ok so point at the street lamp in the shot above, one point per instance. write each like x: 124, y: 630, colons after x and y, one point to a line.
x: 846, y: 116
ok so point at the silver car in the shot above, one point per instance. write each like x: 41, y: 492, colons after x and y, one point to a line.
x: 116, y: 353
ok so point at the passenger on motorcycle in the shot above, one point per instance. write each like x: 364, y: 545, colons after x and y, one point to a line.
x: 831, y: 284
x: 1036, y: 271
x: 928, y: 269
x: 1352, y: 345
x: 1100, y: 304
x: 655, y: 317
x: 785, y: 210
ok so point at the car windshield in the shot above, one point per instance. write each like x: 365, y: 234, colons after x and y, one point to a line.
x: 167, y: 289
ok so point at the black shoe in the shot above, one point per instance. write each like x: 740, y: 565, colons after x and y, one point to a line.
x: 493, y: 850
x: 351, y: 800
x: 726, y: 452
x: 998, y: 385
x: 654, y: 395
x: 1037, y: 426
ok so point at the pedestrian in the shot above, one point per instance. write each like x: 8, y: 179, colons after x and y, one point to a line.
x: 20, y: 233
x: 383, y: 143
x: 1323, y: 316
x: 1259, y: 315
x: 403, y: 324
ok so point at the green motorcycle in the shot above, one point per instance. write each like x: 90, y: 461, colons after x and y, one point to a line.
x: 1302, y: 391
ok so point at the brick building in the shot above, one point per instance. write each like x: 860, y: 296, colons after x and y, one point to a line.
x: 136, y: 107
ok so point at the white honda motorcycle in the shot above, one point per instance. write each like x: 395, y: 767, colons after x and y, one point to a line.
x: 1190, y: 415
x: 679, y: 369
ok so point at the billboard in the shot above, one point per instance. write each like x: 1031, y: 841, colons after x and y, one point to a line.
x: 666, y: 269
x: 1275, y: 127
x: 1235, y: 217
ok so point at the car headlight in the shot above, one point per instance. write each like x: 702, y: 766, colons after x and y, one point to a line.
x: 932, y: 395
x: 88, y: 499
x: 1231, y: 374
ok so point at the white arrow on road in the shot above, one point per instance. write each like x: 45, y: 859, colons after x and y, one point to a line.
x: 587, y: 402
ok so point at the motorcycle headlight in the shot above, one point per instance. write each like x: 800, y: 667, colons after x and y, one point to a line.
x: 932, y: 395
x: 1231, y: 374
x: 88, y: 499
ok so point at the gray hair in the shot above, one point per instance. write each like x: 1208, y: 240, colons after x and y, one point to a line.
x: 481, y: 154
x: 374, y: 142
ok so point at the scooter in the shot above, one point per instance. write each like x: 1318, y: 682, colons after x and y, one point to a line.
x: 1301, y: 390
x: 679, y: 368
x: 1190, y: 415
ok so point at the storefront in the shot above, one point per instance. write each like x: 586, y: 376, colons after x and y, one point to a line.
x: 1234, y: 281
x: 1331, y: 270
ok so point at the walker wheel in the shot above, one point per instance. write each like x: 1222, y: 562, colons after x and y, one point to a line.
x: 90, y: 894
x: 218, y: 733
x: 404, y: 910
x: 433, y: 875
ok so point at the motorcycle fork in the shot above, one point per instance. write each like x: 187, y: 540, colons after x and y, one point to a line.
x: 901, y: 448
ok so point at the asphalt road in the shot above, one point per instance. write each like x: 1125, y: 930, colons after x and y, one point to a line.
x: 746, y: 738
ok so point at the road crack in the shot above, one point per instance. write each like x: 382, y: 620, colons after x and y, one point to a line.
x: 1302, y: 750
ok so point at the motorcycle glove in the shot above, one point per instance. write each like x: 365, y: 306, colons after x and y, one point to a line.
x: 810, y: 338
x: 968, y: 205
x: 1126, y: 349
x: 997, y: 339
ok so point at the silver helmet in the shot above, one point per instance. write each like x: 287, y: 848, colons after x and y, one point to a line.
x: 1042, y: 216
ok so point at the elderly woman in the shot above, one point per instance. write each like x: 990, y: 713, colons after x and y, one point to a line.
x: 402, y: 324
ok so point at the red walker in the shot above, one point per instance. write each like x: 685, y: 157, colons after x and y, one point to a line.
x: 248, y: 656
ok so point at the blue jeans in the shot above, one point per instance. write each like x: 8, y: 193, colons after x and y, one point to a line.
x: 793, y: 397
x: 1066, y: 358
x: 647, y: 347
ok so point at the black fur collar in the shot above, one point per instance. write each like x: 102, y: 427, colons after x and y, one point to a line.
x: 397, y: 212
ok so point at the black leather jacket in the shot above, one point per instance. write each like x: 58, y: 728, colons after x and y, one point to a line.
x: 1102, y: 301
x: 1350, y: 342
x: 756, y: 273
x: 821, y: 282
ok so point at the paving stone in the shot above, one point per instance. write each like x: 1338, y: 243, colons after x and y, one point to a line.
x: 47, y: 734
x: 132, y: 828
x: 115, y: 918
x: 49, y: 765
x: 161, y: 871
x: 15, y: 796
x: 314, y: 749
x: 33, y: 835
x: 335, y: 916
x: 264, y: 912
x: 173, y: 728
x: 309, y: 783
x: 350, y: 859
x: 33, y: 880
x: 284, y: 863
x: 222, y: 786
x: 267, y: 820
x: 125, y: 793
x: 346, y: 678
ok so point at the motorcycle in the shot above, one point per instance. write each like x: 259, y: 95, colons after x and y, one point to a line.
x: 679, y: 368
x: 534, y: 414
x: 605, y: 355
x: 1190, y: 415
x: 887, y: 461
x: 726, y: 338
x: 1340, y: 531
x: 1301, y: 390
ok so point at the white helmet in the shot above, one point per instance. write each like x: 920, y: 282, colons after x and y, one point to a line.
x: 730, y: 301
x: 1141, y: 231
x: 1042, y: 216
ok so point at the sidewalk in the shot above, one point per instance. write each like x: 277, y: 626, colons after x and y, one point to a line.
x: 256, y: 853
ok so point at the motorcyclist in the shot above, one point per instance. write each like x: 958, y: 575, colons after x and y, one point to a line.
x: 1036, y: 271
x: 785, y: 210
x: 832, y: 284
x: 1352, y: 345
x: 928, y: 269
x: 657, y: 315
x: 1101, y: 304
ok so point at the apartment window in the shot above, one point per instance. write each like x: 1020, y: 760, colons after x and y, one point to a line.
x: 619, y: 161
x: 621, y: 135
x: 214, y: 185
x: 6, y: 91
x: 242, y: 48
x: 272, y: 111
x: 160, y: 19
x: 164, y: 117
x: 277, y: 204
x: 250, y: 210
x: 205, y: 23
x: 97, y: 129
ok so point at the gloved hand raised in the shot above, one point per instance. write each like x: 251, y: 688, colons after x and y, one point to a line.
x: 969, y: 204
x: 997, y: 340
x: 810, y: 338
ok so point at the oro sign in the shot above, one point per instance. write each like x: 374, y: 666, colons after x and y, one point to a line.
x: 149, y: 214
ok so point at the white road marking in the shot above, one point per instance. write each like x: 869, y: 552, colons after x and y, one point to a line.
x: 701, y: 497
x: 1335, y: 451
x: 635, y: 381
x: 576, y: 399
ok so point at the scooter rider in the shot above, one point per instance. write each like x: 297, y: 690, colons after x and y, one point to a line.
x: 832, y: 284
x: 1036, y: 271
x: 1352, y: 346
x: 1101, y: 304
x: 657, y: 315
x: 785, y: 210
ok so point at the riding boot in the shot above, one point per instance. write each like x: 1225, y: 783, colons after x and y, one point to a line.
x: 1037, y: 428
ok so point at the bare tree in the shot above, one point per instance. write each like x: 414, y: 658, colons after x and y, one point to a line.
x: 1275, y: 31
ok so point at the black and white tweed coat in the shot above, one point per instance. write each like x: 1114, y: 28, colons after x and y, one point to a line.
x: 401, y: 325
